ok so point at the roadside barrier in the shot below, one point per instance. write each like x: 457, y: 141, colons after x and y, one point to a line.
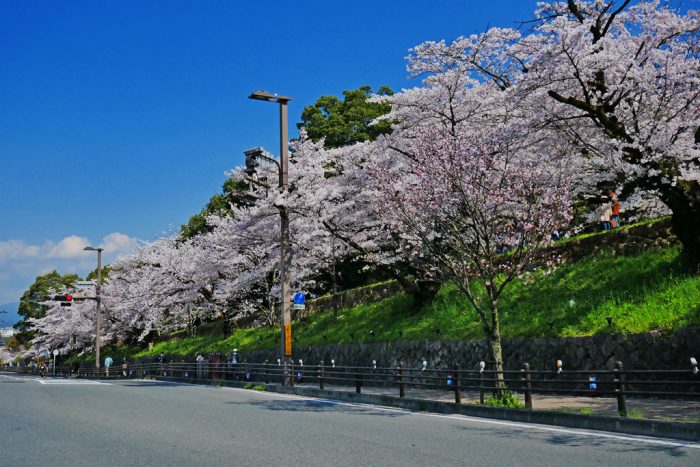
x: 618, y: 382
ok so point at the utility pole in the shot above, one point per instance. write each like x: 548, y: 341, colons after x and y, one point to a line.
x: 97, y: 305
x: 285, y: 250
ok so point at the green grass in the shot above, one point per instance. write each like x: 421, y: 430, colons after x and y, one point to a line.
x: 506, y: 399
x: 638, y: 293
x: 635, y: 413
x: 615, y: 230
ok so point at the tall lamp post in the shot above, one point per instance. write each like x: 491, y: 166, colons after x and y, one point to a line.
x: 285, y: 250
x: 97, y: 305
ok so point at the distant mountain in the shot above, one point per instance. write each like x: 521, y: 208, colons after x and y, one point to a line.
x: 11, y: 317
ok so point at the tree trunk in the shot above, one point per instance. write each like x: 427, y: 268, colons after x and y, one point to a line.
x: 684, y: 201
x: 496, y: 354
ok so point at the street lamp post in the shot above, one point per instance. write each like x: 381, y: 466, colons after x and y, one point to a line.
x: 285, y: 250
x: 97, y: 305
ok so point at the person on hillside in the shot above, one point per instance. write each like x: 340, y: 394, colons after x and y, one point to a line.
x: 604, y: 212
x: 615, y: 212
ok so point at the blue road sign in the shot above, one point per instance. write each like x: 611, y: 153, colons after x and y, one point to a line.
x: 299, y: 298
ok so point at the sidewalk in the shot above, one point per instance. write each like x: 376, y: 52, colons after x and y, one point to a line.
x: 654, y: 409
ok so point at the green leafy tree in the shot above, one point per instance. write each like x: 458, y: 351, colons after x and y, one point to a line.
x: 92, y: 276
x: 40, y: 291
x: 346, y: 122
x: 220, y: 203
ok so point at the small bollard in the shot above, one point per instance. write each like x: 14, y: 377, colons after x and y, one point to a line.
x: 482, y: 366
x: 528, y: 386
x: 321, y: 382
x: 402, y: 387
x: 620, y: 390
x: 358, y: 382
x: 458, y: 389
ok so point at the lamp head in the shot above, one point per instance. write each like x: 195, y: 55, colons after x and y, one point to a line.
x: 261, y: 95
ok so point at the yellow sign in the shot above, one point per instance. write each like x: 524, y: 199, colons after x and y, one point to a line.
x: 288, y: 340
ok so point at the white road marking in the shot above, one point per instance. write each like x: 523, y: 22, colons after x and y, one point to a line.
x: 466, y: 418
x: 58, y: 381
x: 66, y: 382
x: 13, y: 377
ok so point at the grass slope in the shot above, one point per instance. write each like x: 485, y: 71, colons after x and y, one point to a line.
x: 639, y: 293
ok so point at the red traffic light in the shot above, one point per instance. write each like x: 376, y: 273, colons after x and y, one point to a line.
x: 63, y: 298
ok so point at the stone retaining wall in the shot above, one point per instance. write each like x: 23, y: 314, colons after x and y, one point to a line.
x: 652, y: 350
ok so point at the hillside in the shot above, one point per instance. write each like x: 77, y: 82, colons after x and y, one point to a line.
x: 601, y: 293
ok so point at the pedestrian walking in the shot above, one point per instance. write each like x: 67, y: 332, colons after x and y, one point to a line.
x: 200, y: 366
x: 108, y: 363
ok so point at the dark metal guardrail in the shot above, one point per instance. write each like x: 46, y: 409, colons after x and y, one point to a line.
x: 618, y: 382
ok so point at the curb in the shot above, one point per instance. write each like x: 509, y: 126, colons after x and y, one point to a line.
x: 676, y: 430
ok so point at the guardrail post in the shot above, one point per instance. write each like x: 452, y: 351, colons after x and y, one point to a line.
x: 620, y: 380
x: 528, y: 386
x: 291, y: 372
x: 402, y: 386
x: 358, y: 382
x: 481, y: 386
x: 321, y: 382
x: 458, y: 388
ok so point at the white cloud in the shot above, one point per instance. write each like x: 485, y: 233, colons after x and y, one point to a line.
x: 11, y: 249
x: 21, y: 263
x: 69, y: 247
x: 118, y: 243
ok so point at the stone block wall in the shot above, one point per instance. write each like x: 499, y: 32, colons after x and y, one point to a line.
x: 652, y: 350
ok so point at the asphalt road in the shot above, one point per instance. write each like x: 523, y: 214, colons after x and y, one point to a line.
x: 78, y: 422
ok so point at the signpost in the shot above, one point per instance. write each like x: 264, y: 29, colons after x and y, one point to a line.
x: 55, y: 353
x: 298, y: 299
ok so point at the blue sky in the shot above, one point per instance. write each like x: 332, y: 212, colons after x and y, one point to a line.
x: 118, y: 119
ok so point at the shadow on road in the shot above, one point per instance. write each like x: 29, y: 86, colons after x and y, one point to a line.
x: 304, y: 405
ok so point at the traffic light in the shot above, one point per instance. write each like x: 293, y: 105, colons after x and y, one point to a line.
x: 251, y: 161
x: 64, y: 299
x: 250, y: 164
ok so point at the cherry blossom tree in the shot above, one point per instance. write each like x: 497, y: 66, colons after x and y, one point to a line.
x: 69, y: 328
x: 473, y: 207
x: 148, y: 290
x: 619, y: 81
